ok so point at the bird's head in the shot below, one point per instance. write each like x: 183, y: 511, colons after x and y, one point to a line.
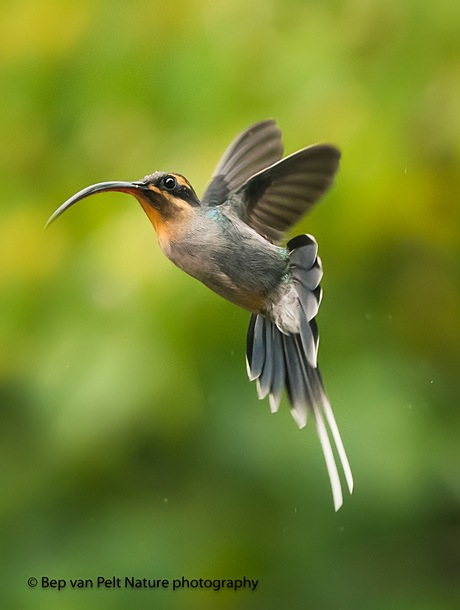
x: 167, y: 199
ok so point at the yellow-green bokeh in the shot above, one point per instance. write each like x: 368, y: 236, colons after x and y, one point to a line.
x: 131, y: 442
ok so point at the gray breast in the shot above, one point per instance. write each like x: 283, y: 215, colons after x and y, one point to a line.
x: 229, y: 257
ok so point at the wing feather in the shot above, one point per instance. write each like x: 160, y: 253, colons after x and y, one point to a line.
x: 278, y: 196
x: 250, y: 152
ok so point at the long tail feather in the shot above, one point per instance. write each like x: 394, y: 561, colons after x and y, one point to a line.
x: 278, y: 371
x: 278, y: 360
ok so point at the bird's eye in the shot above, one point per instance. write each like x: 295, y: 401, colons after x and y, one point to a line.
x: 170, y: 183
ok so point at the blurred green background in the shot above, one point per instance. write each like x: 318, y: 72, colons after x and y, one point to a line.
x: 131, y: 441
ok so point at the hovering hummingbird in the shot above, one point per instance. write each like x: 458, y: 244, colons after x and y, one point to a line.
x: 229, y: 240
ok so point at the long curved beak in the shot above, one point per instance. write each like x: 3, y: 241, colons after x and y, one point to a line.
x: 133, y: 188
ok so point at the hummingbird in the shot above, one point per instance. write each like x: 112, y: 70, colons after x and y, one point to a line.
x: 230, y: 240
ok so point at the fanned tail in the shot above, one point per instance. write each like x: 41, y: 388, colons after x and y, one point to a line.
x: 278, y: 360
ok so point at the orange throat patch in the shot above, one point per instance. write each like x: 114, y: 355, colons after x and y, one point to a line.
x: 173, y: 222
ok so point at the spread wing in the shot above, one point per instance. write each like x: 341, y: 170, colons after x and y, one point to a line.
x: 277, y: 197
x: 252, y: 151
